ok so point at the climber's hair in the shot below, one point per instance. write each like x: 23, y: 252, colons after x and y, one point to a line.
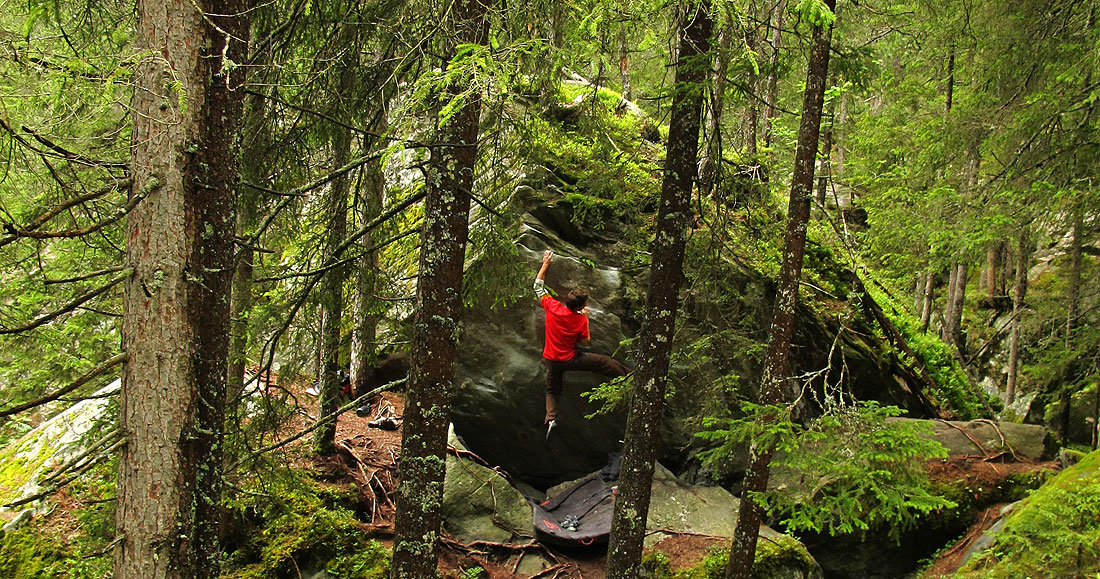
x: 576, y: 299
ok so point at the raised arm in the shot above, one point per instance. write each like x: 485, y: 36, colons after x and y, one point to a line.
x: 540, y: 278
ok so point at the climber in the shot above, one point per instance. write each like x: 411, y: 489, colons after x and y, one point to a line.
x: 566, y: 330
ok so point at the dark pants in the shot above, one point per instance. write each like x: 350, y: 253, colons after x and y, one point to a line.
x: 582, y: 362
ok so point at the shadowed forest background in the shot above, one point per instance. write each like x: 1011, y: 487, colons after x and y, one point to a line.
x: 849, y: 249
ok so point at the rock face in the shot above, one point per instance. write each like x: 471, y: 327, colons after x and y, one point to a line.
x: 500, y: 401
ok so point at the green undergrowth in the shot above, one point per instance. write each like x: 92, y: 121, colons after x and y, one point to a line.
x: 1055, y: 532
x: 67, y: 542
x: 781, y: 556
x: 953, y: 391
x: 286, y: 521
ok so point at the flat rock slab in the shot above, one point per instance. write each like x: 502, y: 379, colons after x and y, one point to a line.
x: 987, y: 438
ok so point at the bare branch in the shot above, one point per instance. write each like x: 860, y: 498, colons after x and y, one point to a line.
x: 119, y: 214
x: 66, y: 205
x: 86, y: 276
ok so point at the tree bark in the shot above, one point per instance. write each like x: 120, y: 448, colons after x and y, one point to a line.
x: 772, y: 96
x: 962, y: 271
x: 449, y: 182
x: 643, y: 427
x: 774, y: 386
x: 624, y: 64
x: 175, y: 325
x: 992, y: 257
x: 1023, y: 256
x: 365, y: 329
x: 332, y: 291
x: 926, y: 307
x: 1073, y: 284
x: 946, y: 332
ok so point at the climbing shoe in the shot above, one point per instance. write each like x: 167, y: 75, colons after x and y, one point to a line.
x: 549, y: 427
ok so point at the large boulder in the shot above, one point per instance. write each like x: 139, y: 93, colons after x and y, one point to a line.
x: 500, y: 400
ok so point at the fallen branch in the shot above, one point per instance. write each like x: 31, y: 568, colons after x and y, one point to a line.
x: 1004, y: 442
x: 985, y: 453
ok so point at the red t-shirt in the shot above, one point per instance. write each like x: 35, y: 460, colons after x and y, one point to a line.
x: 564, y: 328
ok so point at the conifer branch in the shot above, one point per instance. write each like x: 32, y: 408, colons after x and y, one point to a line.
x: 97, y: 371
x: 69, y: 307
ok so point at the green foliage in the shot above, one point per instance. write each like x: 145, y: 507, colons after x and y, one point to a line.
x: 775, y: 557
x: 851, y: 469
x: 953, y: 391
x: 1053, y: 533
x: 289, y: 521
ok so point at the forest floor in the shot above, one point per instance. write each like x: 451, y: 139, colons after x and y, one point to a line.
x: 367, y: 457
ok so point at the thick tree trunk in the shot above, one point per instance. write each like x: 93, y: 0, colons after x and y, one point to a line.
x: 450, y: 180
x: 772, y: 96
x: 643, y: 427
x: 773, y: 383
x: 332, y: 292
x: 176, y: 304
x: 1023, y: 256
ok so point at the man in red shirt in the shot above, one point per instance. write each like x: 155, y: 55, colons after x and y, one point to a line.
x: 566, y: 329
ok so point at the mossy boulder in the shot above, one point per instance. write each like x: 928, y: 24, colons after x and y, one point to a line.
x: 479, y: 504
x: 1055, y: 532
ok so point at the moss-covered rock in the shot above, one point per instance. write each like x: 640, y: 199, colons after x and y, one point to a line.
x: 1055, y: 532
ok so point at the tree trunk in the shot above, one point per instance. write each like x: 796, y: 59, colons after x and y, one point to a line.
x: 332, y: 289
x: 958, y: 299
x: 449, y: 182
x: 773, y: 383
x: 926, y: 307
x: 175, y: 325
x: 711, y: 162
x: 772, y: 96
x: 365, y: 329
x: 824, y: 155
x: 1073, y: 284
x: 949, y: 303
x: 624, y: 64
x: 1023, y: 256
x: 992, y: 257
x: 643, y: 427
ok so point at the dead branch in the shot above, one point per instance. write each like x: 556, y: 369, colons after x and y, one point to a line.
x: 69, y: 306
x: 53, y: 488
x: 97, y: 371
x: 985, y: 453
x: 70, y: 155
x: 85, y: 277
x: 1004, y: 442
x: 34, y: 234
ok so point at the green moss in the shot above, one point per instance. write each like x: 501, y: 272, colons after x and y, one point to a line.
x: 1053, y: 533
x: 291, y: 522
x: 774, y: 558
